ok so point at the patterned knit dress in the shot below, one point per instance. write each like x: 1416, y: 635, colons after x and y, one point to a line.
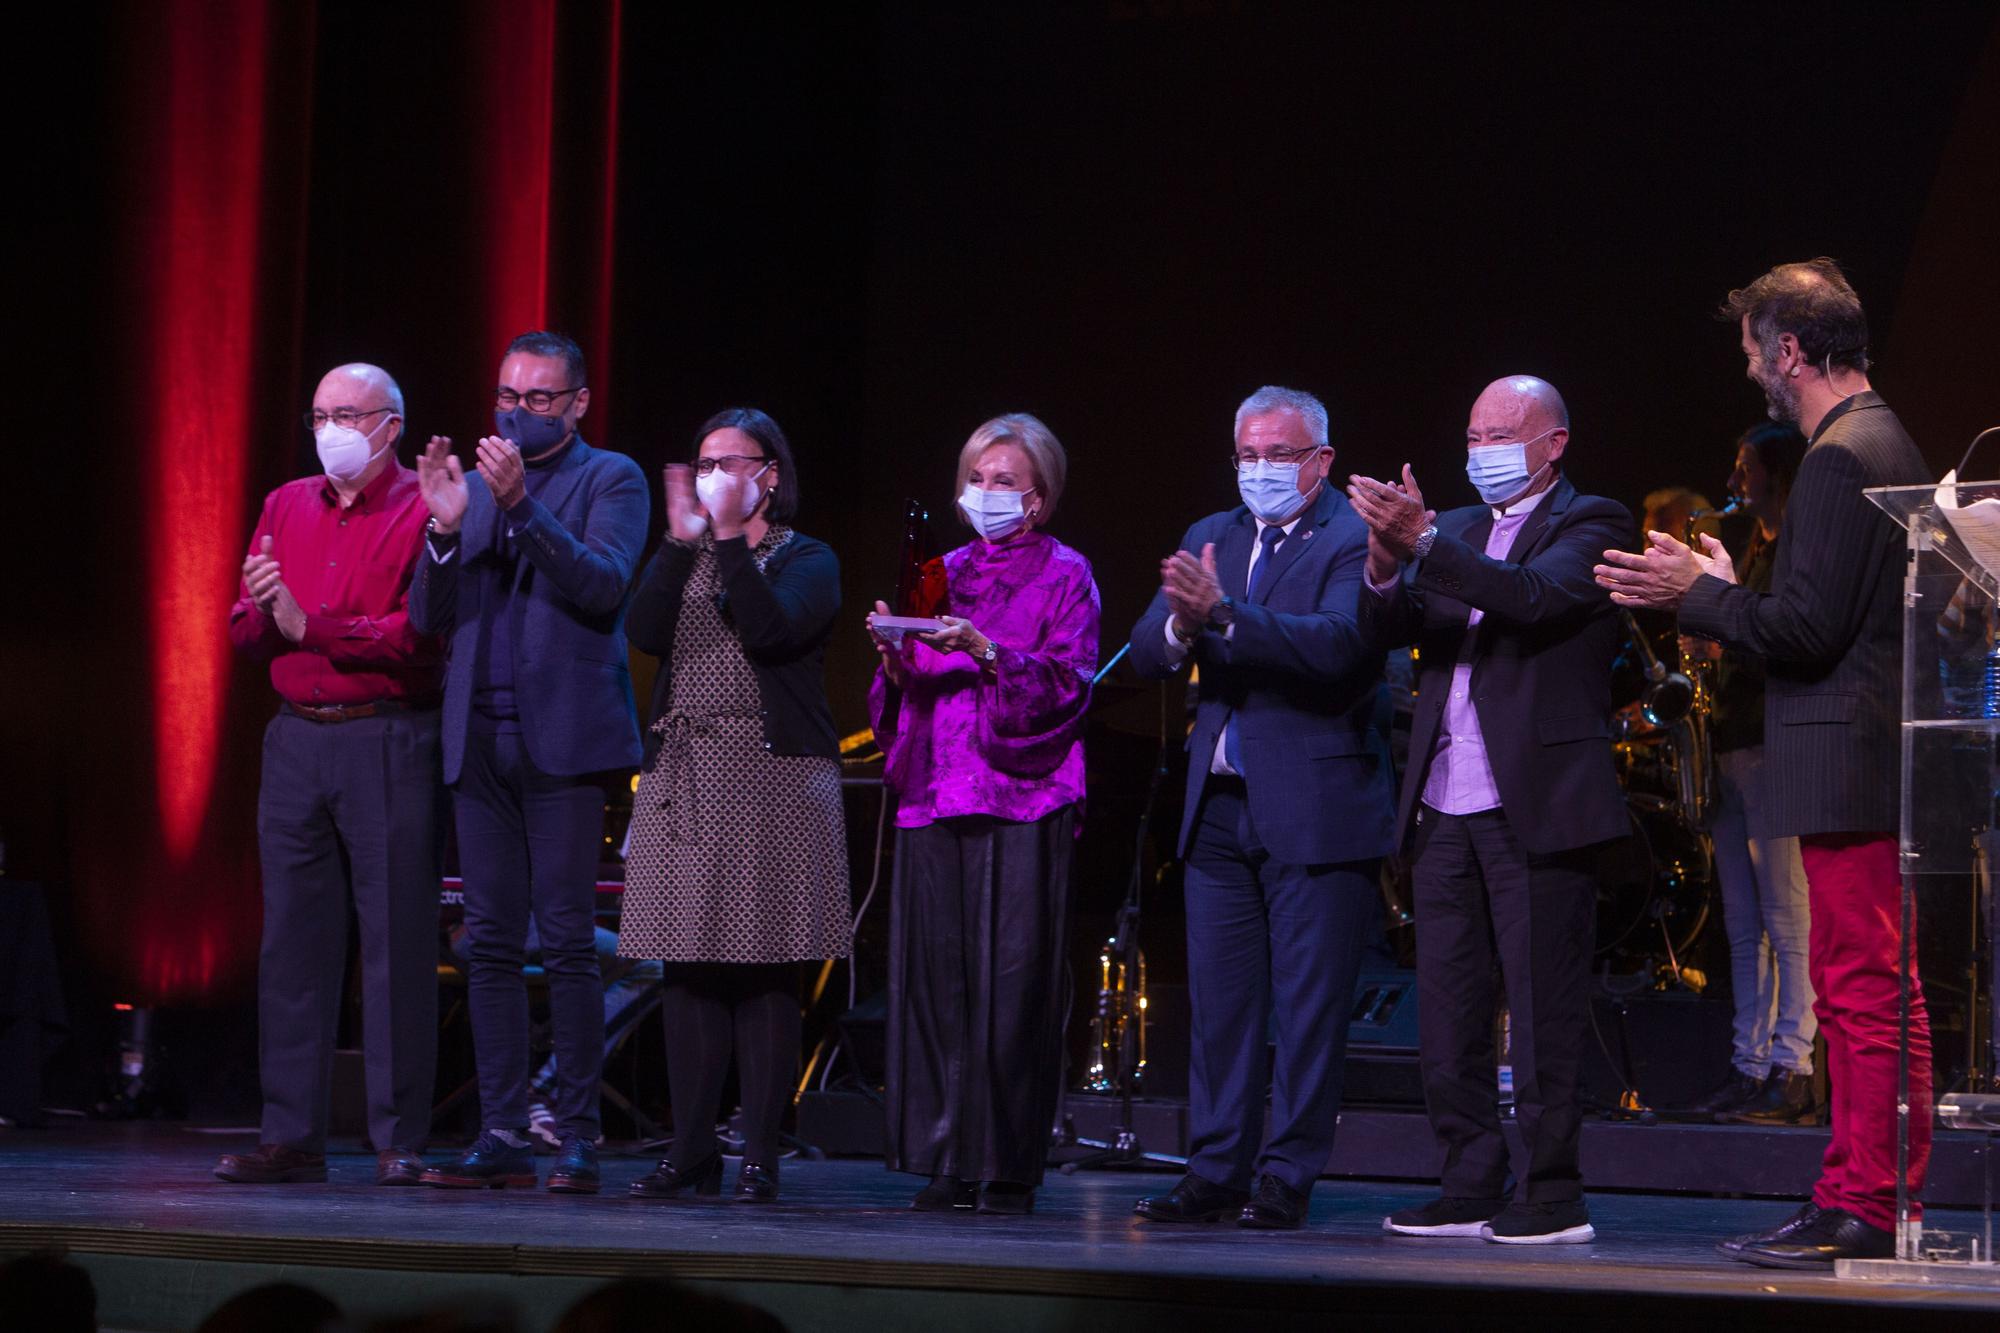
x: 737, y: 855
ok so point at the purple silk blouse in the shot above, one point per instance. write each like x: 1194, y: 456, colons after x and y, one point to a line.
x: 1008, y: 744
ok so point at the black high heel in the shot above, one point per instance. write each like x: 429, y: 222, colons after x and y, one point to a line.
x: 757, y: 1183
x: 666, y: 1180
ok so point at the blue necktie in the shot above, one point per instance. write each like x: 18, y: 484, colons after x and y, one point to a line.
x: 1232, y: 748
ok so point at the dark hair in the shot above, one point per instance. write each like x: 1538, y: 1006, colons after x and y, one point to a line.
x: 1814, y: 303
x: 1780, y: 448
x: 47, y: 1281
x: 541, y: 342
x: 759, y: 427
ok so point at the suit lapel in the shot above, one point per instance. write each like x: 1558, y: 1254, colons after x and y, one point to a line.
x: 1540, y: 523
x: 1232, y: 554
x: 556, y: 492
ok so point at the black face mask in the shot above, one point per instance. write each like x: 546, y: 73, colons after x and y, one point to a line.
x: 530, y: 431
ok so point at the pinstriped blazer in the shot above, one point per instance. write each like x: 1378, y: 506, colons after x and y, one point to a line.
x: 1830, y: 631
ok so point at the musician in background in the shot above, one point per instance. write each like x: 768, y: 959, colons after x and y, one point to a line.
x: 981, y: 723
x: 1763, y: 880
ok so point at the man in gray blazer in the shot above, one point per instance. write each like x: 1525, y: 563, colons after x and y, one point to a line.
x: 1287, y: 814
x: 1830, y: 632
x: 527, y: 574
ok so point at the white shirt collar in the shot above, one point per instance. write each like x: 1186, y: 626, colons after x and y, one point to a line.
x: 1526, y: 506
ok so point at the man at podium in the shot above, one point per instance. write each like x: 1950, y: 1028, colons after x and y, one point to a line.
x: 1830, y: 633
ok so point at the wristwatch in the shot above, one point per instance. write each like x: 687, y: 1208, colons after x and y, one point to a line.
x: 991, y: 654
x: 1421, y: 547
x: 1223, y: 614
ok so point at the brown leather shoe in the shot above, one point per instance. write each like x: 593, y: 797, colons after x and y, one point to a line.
x: 399, y: 1166
x: 271, y: 1164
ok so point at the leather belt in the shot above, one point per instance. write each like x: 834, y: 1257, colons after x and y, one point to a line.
x: 354, y: 712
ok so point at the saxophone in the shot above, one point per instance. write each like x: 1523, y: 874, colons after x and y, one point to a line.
x: 1694, y: 754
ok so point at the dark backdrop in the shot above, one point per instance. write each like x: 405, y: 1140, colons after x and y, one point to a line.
x: 884, y: 223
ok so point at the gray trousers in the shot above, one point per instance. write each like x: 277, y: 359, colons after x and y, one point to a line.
x: 348, y: 818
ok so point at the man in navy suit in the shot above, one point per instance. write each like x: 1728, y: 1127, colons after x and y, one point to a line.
x: 1510, y: 795
x: 527, y: 573
x: 1287, y: 816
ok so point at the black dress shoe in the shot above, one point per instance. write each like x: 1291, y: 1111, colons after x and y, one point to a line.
x: 1738, y: 1089
x: 1834, y: 1234
x: 667, y: 1180
x: 490, y: 1163
x: 271, y: 1164
x: 1006, y: 1198
x: 1192, y: 1200
x: 1275, y: 1206
x: 1785, y: 1099
x: 944, y: 1194
x: 757, y: 1183
x: 1785, y: 1230
x: 575, y: 1171
x: 396, y: 1166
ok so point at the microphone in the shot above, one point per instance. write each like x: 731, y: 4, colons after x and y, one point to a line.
x: 1959, y: 471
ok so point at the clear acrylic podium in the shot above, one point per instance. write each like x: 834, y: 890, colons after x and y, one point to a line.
x: 1951, y: 722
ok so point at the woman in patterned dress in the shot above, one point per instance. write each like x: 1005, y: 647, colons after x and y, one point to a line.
x: 982, y: 723
x: 737, y: 867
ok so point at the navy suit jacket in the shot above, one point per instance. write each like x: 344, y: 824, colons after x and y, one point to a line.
x: 578, y: 551
x: 1541, y: 667
x: 1300, y: 679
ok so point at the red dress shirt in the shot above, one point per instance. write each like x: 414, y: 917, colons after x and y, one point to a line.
x: 350, y: 571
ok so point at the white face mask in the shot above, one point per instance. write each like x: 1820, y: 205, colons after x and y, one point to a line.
x: 343, y: 450
x: 1500, y: 471
x: 994, y: 515
x: 707, y: 488
x: 1271, y: 490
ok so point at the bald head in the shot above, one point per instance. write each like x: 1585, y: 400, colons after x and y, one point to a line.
x: 358, y: 384
x: 1528, y: 404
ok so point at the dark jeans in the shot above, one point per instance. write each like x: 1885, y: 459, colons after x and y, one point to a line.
x: 349, y: 813
x: 527, y: 844
x: 1277, y: 944
x: 1482, y: 901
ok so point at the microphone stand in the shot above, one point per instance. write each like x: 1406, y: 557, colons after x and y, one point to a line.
x: 1124, y: 1148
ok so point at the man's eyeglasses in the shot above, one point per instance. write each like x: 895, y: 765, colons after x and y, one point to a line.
x: 1282, y: 457
x: 538, y: 400
x: 735, y: 465
x: 344, y: 417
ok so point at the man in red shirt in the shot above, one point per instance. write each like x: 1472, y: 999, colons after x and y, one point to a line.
x: 349, y: 807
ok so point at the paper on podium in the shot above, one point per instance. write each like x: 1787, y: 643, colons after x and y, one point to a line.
x: 1977, y: 524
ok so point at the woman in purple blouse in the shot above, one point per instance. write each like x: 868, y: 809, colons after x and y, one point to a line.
x: 982, y: 723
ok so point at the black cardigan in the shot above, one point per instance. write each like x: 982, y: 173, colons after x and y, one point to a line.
x: 782, y: 617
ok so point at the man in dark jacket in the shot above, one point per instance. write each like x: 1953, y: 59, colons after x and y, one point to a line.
x: 1510, y: 795
x: 1287, y: 814
x: 527, y: 573
x: 1830, y: 632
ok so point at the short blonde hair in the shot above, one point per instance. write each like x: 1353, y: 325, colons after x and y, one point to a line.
x: 1038, y: 442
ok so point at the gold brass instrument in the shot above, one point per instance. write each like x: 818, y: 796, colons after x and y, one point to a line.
x: 1118, y: 1029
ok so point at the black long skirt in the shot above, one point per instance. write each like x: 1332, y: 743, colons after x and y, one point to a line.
x: 979, y: 919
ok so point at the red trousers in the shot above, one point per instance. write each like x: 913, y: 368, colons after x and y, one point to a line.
x: 1855, y: 886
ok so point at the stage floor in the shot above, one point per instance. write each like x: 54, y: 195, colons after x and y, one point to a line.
x: 166, y: 1242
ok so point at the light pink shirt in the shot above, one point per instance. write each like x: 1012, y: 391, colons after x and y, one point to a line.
x: 1461, y: 777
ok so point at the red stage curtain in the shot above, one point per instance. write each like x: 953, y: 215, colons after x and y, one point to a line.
x: 217, y: 140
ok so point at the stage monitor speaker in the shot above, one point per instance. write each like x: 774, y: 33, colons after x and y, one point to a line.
x: 1382, y: 1042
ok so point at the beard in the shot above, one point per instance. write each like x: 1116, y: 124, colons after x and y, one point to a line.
x: 1781, y: 399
